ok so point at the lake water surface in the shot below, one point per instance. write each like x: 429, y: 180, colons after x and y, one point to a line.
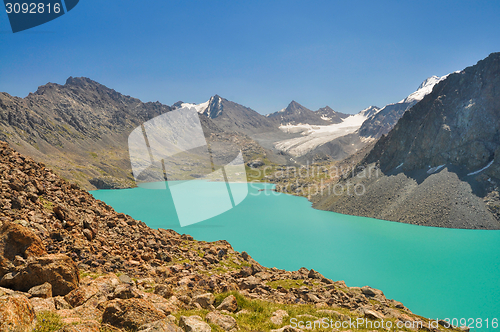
x: 436, y: 272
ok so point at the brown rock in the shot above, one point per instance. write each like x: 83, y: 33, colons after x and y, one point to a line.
x: 88, y: 326
x: 278, y: 317
x: 227, y: 323
x: 164, y: 290
x: 204, y: 300
x: 16, y: 313
x: 314, y: 274
x: 229, y: 304
x: 194, y: 324
x: 81, y: 295
x: 164, y: 325
x: 88, y: 234
x: 40, y: 305
x: 130, y: 313
x: 17, y: 240
x: 57, y: 269
x: 44, y: 291
x: 368, y: 291
x: 61, y: 303
x: 373, y: 314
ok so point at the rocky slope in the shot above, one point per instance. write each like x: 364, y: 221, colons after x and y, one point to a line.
x: 295, y: 114
x: 71, y: 263
x: 440, y: 164
x: 328, y: 114
x: 381, y: 122
x: 232, y: 116
x: 81, y: 129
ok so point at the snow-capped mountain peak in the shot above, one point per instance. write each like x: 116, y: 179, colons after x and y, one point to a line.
x: 369, y: 111
x: 211, y: 108
x: 424, y: 89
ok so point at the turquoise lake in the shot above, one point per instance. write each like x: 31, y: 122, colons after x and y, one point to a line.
x: 435, y: 272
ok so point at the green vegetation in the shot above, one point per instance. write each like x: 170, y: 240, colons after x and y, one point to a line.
x: 47, y: 205
x: 48, y: 321
x: 93, y: 155
x: 254, y: 315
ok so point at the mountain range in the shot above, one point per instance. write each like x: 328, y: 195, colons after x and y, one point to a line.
x: 440, y: 164
x: 81, y: 128
x: 443, y: 136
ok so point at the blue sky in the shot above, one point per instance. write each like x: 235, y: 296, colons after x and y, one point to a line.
x: 262, y: 54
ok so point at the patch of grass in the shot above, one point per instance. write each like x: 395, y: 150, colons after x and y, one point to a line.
x: 47, y: 205
x: 48, y: 322
x: 259, y: 312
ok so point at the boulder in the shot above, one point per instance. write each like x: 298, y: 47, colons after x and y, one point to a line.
x: 41, y: 305
x: 314, y: 274
x: 61, y: 303
x: 125, y: 291
x: 255, y: 163
x: 81, y: 295
x: 130, y: 313
x: 278, y: 317
x: 164, y: 325
x: 16, y: 313
x: 373, y: 314
x: 225, y: 322
x: 164, y: 290
x: 194, y: 324
x: 44, y: 291
x: 205, y: 300
x: 371, y: 292
x: 57, y: 269
x: 88, y: 326
x: 229, y: 304
x: 249, y: 282
x: 17, y: 240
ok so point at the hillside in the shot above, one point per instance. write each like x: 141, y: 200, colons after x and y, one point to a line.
x: 71, y: 263
x: 81, y: 129
x: 386, y: 118
x: 440, y: 164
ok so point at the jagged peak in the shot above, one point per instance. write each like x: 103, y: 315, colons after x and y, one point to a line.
x: 326, y: 109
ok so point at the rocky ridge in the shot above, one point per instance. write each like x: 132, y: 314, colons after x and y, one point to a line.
x: 440, y: 165
x: 80, y: 129
x: 71, y: 263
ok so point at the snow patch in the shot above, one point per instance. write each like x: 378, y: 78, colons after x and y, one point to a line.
x: 482, y: 169
x: 200, y: 108
x: 399, y: 165
x: 424, y: 89
x: 314, y: 136
x: 435, y: 169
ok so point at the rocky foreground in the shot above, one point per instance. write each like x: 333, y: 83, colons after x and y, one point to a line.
x: 71, y: 263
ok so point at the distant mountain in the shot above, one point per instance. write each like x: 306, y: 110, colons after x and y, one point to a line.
x: 232, y: 116
x: 440, y: 165
x: 80, y: 129
x: 295, y: 114
x: 384, y: 119
x: 316, y: 140
x: 370, y: 111
x: 328, y: 114
x: 458, y: 123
